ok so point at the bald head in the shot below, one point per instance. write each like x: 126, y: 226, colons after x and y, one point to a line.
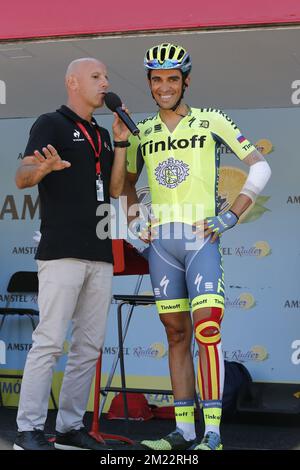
x: 86, y: 82
x: 76, y: 67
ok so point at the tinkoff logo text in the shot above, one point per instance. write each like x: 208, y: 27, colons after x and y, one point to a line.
x: 196, y: 141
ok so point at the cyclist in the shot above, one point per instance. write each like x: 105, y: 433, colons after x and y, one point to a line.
x: 180, y: 148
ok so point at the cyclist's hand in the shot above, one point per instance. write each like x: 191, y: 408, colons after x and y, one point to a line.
x: 219, y: 224
x: 143, y: 229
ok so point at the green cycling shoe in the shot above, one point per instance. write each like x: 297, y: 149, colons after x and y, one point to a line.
x: 173, y: 441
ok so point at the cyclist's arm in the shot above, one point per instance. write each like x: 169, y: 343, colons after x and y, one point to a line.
x: 226, y: 132
x: 258, y: 177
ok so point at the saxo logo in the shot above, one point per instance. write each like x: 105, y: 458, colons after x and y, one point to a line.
x: 2, y: 92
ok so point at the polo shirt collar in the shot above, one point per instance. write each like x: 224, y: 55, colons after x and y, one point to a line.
x: 73, y: 116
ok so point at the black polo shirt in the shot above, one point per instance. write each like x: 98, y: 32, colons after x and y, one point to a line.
x: 68, y: 197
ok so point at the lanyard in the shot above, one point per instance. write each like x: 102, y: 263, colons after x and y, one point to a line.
x: 89, y: 138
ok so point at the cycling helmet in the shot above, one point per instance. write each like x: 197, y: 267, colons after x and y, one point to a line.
x: 168, y: 56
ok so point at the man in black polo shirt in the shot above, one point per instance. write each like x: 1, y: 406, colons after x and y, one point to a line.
x: 71, y: 159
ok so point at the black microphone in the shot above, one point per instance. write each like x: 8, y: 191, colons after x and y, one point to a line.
x: 114, y: 103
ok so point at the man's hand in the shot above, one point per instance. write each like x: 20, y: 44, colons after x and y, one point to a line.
x: 35, y: 167
x: 51, y: 160
x: 120, y: 131
x: 216, y: 225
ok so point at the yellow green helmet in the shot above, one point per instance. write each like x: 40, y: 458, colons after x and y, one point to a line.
x: 168, y: 56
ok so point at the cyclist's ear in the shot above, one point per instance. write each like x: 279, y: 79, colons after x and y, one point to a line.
x: 187, y: 81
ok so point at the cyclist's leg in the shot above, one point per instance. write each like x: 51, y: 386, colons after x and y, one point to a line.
x: 205, y: 281
x: 168, y: 282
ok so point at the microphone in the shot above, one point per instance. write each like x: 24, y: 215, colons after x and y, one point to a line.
x: 114, y: 103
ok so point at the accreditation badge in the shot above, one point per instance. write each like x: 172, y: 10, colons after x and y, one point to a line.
x: 99, y: 188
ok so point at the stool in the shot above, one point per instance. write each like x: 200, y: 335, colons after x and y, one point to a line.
x: 133, y: 300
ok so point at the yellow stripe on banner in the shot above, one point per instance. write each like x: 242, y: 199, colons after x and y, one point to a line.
x: 173, y: 306
x: 213, y: 373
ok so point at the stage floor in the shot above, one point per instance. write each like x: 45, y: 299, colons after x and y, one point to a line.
x: 241, y: 432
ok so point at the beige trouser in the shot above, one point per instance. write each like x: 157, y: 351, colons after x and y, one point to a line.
x: 69, y: 289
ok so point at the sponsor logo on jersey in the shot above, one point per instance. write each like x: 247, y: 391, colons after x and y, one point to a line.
x: 191, y: 121
x: 171, y: 173
x: 218, y: 111
x: 195, y: 141
x: 247, y: 146
x: 201, y: 123
x: 157, y: 128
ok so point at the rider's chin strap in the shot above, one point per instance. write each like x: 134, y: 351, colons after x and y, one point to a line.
x: 181, y: 96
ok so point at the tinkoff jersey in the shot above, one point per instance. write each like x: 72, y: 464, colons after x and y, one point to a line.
x: 183, y: 165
